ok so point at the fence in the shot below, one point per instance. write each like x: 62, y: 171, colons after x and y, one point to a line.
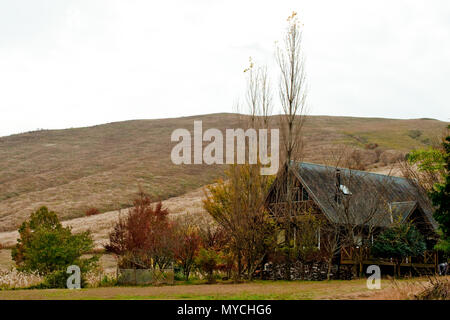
x: 348, y: 256
x: 145, y: 276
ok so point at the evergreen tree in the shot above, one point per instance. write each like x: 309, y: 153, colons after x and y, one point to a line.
x: 399, y: 241
x: 440, y: 195
x: 45, y: 246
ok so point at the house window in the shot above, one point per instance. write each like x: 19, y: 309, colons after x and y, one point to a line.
x: 300, y: 194
x: 305, y: 195
x: 358, y: 240
x: 318, y: 237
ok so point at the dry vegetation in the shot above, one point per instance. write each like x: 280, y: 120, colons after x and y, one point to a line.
x: 101, y: 224
x: 426, y: 288
x: 102, y: 166
x: 13, y: 279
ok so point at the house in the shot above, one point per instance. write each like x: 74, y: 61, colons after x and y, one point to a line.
x: 359, y: 202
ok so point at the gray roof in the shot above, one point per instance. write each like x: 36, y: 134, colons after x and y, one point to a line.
x: 375, y: 199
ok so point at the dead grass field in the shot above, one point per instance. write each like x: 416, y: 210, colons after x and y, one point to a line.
x: 100, y: 225
x: 5, y: 259
x: 103, y: 166
x: 294, y: 290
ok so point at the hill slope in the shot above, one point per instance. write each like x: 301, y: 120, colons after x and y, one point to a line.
x: 101, y: 224
x: 103, y: 166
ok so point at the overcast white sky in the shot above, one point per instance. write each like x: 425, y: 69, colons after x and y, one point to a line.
x: 70, y: 63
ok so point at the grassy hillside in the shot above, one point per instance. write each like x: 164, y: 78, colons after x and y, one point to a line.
x: 103, y: 166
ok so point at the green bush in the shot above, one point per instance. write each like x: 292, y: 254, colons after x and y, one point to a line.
x: 108, y: 281
x: 179, y: 276
x: 399, y: 241
x: 46, y: 247
x: 58, y: 279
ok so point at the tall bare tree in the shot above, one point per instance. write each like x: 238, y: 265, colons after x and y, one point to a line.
x: 238, y: 203
x: 292, y: 89
x: 292, y: 94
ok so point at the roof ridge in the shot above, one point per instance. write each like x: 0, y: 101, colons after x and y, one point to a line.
x: 362, y: 171
x: 412, y: 201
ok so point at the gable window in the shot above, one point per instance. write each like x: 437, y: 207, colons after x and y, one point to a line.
x: 305, y: 195
x: 300, y: 194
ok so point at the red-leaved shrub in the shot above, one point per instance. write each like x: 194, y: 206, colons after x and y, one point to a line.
x: 92, y: 211
x: 145, y: 238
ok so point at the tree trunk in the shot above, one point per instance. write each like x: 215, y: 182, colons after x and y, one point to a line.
x: 330, y: 261
x: 250, y: 272
x: 239, y: 262
x: 187, y: 271
x: 288, y: 255
x: 338, y: 272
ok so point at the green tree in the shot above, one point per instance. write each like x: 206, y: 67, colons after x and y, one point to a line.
x: 49, y: 248
x: 440, y: 195
x: 399, y: 241
x: 430, y: 159
x: 435, y: 163
x: 207, y: 261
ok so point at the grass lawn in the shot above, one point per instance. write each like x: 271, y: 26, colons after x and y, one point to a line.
x: 302, y: 290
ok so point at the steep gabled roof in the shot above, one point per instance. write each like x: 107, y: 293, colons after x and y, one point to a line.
x: 373, y: 197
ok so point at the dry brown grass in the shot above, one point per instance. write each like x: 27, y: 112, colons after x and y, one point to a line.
x: 437, y: 288
x: 101, y: 224
x: 6, y: 262
x: 405, y: 289
x: 13, y: 279
x: 103, y: 166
